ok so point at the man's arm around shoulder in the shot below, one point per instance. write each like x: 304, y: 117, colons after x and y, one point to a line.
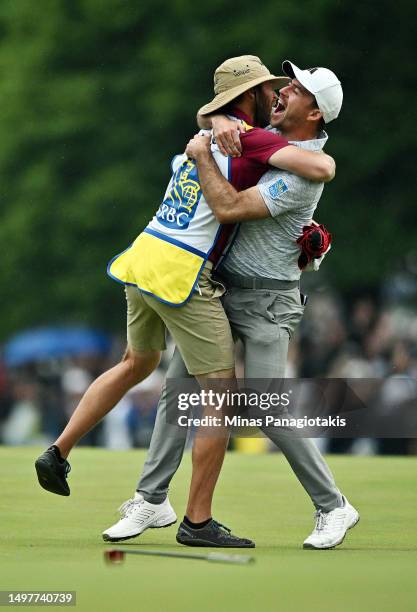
x: 227, y: 204
x: 317, y: 167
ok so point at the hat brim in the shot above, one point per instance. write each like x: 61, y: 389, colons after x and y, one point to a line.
x: 303, y: 76
x: 228, y: 96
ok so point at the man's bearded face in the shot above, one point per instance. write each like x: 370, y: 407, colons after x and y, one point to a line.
x: 265, y: 99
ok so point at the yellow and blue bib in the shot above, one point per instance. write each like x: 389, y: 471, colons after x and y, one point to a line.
x: 167, y: 258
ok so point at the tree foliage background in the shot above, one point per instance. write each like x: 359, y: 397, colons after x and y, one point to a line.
x: 96, y: 97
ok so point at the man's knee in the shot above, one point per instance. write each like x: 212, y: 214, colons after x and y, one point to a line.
x: 220, y: 384
x: 140, y: 364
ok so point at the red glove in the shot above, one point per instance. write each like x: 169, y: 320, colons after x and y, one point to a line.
x: 314, y: 241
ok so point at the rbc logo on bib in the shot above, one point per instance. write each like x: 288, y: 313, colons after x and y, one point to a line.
x: 182, y: 197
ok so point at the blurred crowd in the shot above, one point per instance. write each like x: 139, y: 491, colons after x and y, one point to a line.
x: 364, y: 337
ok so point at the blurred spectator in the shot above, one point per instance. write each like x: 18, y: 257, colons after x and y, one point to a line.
x: 397, y: 392
x: 116, y: 431
x: 23, y: 423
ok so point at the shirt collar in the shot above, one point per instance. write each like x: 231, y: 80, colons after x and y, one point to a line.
x: 316, y: 144
x: 236, y: 112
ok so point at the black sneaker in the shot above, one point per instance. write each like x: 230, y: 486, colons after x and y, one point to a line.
x: 52, y: 472
x: 213, y: 534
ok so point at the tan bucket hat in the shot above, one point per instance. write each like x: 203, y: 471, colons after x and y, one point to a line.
x: 235, y: 76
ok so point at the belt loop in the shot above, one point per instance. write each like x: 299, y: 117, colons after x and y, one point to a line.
x: 254, y: 283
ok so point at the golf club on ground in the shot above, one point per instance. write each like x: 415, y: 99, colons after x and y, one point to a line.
x: 117, y: 555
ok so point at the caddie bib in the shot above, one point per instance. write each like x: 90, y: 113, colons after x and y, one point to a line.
x: 167, y: 258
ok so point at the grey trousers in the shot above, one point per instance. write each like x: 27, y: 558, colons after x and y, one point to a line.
x: 264, y: 320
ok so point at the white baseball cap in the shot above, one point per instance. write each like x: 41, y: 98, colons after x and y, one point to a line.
x: 323, y: 84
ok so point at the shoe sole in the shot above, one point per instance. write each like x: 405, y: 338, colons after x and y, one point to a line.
x: 108, y: 538
x: 48, y: 479
x: 207, y: 544
x: 311, y: 547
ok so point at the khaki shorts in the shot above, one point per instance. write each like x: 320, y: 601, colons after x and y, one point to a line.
x: 200, y: 328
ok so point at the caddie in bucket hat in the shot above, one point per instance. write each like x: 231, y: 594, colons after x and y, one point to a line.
x: 235, y: 76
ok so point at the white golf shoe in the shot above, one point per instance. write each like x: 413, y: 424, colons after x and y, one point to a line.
x: 331, y: 527
x: 139, y: 515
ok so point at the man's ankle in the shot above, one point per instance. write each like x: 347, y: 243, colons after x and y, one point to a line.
x: 195, y: 525
x: 59, y: 451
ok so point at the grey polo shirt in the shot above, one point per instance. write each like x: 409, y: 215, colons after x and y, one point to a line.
x: 267, y: 247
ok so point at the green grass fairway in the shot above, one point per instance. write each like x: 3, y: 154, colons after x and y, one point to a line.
x: 54, y: 543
